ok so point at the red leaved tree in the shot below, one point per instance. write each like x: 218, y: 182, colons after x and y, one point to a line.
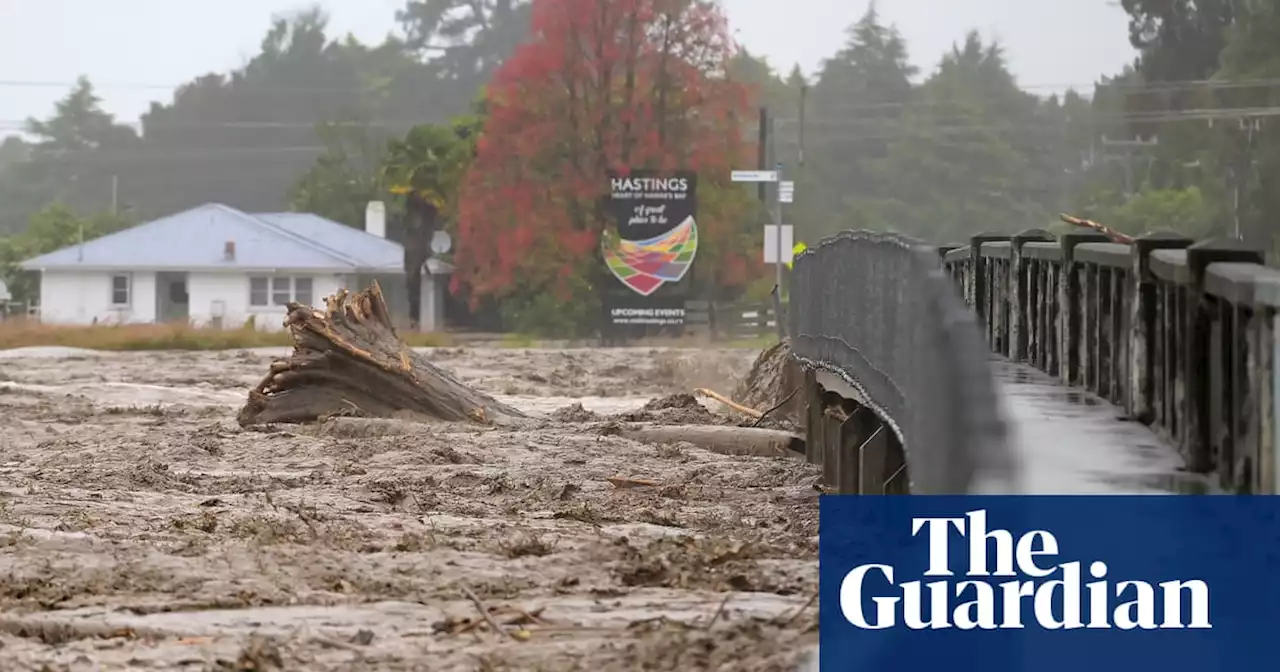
x: 603, y: 85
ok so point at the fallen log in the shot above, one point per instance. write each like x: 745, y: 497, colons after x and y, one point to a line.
x: 349, y: 361
x: 755, y: 441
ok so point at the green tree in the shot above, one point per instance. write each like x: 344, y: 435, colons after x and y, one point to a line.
x: 771, y: 91
x: 856, y: 105
x: 1249, y: 152
x: 54, y: 166
x: 345, y: 177
x: 424, y: 169
x: 52, y: 228
x: 1179, y: 39
x: 465, y: 40
x: 1185, y: 211
x: 961, y: 161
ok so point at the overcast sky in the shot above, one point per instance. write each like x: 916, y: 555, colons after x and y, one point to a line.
x: 135, y: 51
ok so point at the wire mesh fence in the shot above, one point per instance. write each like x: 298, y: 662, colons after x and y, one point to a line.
x: 877, y: 311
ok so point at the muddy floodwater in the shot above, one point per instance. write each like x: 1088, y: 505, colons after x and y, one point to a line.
x: 142, y: 528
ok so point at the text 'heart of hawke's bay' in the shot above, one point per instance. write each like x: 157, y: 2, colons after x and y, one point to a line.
x: 1055, y: 602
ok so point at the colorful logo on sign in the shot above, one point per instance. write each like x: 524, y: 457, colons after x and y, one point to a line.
x: 645, y: 265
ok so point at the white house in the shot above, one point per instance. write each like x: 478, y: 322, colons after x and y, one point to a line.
x: 214, y: 265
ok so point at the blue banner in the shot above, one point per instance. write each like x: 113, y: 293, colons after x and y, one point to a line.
x: 1007, y: 584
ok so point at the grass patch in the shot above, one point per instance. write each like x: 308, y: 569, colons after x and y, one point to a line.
x: 178, y: 336
x: 758, y: 343
x: 519, y: 341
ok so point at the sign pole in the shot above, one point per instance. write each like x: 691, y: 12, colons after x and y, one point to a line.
x: 777, y: 220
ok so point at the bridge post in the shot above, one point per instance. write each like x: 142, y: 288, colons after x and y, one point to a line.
x: 983, y: 291
x: 956, y: 276
x: 1070, y: 325
x: 1263, y: 365
x: 814, y: 426
x: 833, y: 419
x: 1020, y: 298
x: 1140, y: 403
x: 1199, y: 358
x: 854, y: 431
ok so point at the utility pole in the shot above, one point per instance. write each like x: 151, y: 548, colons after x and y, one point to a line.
x: 777, y: 204
x: 1130, y: 148
x: 115, y: 195
x: 804, y: 93
x: 767, y: 154
x: 762, y: 152
x: 1243, y: 170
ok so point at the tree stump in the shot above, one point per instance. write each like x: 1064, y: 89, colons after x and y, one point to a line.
x: 349, y: 361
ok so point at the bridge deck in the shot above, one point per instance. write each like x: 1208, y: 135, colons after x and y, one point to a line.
x: 1071, y: 442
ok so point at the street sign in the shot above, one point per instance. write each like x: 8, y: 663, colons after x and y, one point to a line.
x: 771, y: 244
x: 441, y: 242
x: 787, y: 191
x: 755, y: 176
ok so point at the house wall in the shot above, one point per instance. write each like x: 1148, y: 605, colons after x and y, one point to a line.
x: 393, y: 291
x: 79, y: 297
x: 431, y: 303
x: 205, y: 289
x: 83, y: 297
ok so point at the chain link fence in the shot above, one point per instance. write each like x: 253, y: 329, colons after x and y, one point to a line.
x: 877, y: 311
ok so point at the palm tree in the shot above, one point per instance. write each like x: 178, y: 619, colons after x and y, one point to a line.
x: 424, y: 167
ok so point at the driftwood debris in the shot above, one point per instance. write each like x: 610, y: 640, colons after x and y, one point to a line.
x: 349, y: 361
x: 1115, y: 236
x: 721, y: 439
x: 712, y: 394
x: 624, y: 482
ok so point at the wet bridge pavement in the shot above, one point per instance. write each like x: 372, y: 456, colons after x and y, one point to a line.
x: 1071, y: 442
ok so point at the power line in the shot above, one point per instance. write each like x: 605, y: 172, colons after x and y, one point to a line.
x: 1146, y: 87
x: 1151, y: 116
x: 242, y: 87
x: 16, y: 124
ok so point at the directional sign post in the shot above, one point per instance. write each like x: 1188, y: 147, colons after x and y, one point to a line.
x: 771, y: 176
x: 755, y: 176
x: 775, y: 240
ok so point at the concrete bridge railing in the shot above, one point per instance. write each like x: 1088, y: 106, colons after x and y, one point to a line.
x: 1182, y: 334
x: 898, y: 391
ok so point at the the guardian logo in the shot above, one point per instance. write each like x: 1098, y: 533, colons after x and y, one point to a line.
x: 1052, y: 593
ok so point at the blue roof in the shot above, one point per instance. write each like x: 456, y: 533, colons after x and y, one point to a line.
x: 370, y: 250
x: 195, y: 239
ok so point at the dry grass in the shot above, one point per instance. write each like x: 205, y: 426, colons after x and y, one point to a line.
x: 25, y: 333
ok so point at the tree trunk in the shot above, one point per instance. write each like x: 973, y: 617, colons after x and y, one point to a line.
x: 349, y: 361
x: 420, y: 224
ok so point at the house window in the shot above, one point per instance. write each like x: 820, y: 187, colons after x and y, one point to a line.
x: 279, y: 291
x: 257, y: 291
x: 302, y: 290
x: 119, y: 290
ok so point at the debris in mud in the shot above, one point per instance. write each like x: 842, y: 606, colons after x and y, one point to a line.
x: 702, y: 563
x: 574, y: 413
x: 371, y: 526
x: 754, y: 644
x: 349, y: 361
x: 624, y: 482
x: 773, y: 378
x: 726, y: 440
x: 260, y: 654
x: 680, y: 400
x: 674, y: 409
